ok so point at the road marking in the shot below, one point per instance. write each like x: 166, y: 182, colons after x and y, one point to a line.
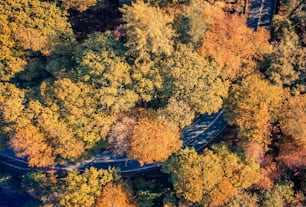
x: 209, y: 125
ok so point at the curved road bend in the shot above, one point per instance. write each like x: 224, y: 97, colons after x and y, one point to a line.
x: 197, y: 135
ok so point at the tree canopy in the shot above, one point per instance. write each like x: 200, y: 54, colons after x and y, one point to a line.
x: 152, y: 141
x: 29, y: 26
x: 212, y: 178
x: 252, y: 105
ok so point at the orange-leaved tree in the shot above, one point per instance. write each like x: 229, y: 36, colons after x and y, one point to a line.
x: 152, y: 141
x: 114, y: 195
x: 233, y: 45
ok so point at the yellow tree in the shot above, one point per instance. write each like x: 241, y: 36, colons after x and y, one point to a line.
x: 80, y: 5
x: 213, y: 178
x: 152, y: 141
x: 148, y: 29
x: 11, y: 107
x: 29, y: 25
x: 149, y: 38
x: 252, y: 105
x: 43, y: 137
x: 11, y: 61
x: 84, y: 189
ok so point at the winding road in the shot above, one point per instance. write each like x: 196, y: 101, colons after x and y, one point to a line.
x: 260, y: 13
x: 198, y: 135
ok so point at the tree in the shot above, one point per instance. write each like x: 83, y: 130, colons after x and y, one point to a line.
x: 151, y: 141
x: 148, y: 29
x: 186, y: 174
x: 176, y: 113
x: 11, y: 107
x: 194, y: 81
x: 80, y: 5
x: 44, y: 187
x: 149, y: 38
x: 233, y: 45
x: 84, y: 189
x: 29, y: 25
x: 243, y: 199
x: 43, y: 137
x: 28, y: 141
x: 100, y: 63
x: 114, y: 195
x: 286, y: 63
x: 11, y: 61
x: 291, y: 154
x: 212, y: 178
x: 293, y: 119
x: 252, y: 105
x: 191, y: 26
x: 278, y: 196
x: 290, y: 18
x: 120, y: 133
x: 147, y: 80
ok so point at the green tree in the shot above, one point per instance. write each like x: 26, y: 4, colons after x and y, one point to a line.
x: 293, y: 119
x: 243, y: 199
x: 191, y: 26
x: 149, y: 38
x: 80, y: 107
x: 100, y: 63
x: 44, y: 187
x: 278, y: 196
x: 176, y: 113
x: 194, y: 81
x: 286, y: 63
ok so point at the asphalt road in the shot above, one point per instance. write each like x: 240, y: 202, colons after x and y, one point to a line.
x: 260, y: 13
x: 197, y: 135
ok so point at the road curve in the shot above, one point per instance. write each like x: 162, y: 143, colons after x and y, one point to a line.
x: 198, y: 135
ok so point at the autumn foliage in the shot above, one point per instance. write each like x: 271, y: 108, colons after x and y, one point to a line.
x: 233, y: 45
x: 69, y: 91
x: 151, y: 141
x: 114, y: 195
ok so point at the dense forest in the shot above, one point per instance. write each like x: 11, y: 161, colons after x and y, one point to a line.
x: 81, y: 76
